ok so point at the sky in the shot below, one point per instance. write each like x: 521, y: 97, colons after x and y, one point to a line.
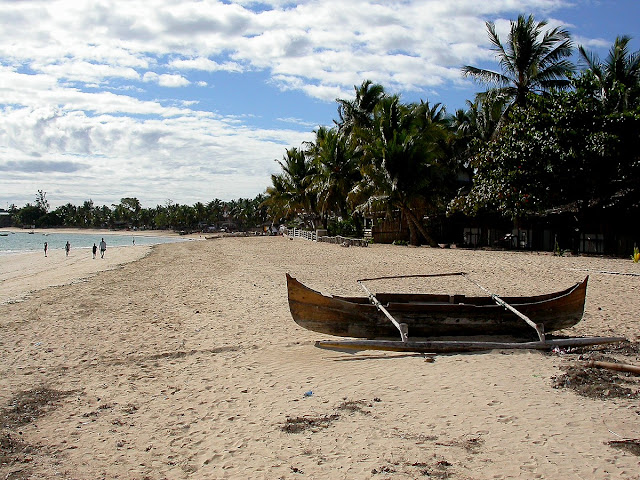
x: 186, y: 101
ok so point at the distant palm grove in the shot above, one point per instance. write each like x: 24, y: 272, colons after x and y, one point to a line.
x: 241, y: 214
x: 548, y: 148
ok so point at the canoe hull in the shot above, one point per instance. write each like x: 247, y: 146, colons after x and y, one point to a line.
x: 432, y: 315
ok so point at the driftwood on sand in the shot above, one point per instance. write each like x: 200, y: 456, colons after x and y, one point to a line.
x: 619, y: 367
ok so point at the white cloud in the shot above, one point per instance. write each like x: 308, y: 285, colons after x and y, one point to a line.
x: 205, y: 65
x: 165, y: 79
x: 322, y: 43
x: 168, y: 80
x: 86, y: 72
x: 77, y: 76
x: 188, y: 155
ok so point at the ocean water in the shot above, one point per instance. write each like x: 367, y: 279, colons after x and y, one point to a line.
x: 18, y: 242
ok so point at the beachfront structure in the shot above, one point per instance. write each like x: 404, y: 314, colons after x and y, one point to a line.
x: 603, y: 231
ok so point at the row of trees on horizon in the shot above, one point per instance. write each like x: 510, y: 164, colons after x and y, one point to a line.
x: 544, y: 135
x: 240, y: 214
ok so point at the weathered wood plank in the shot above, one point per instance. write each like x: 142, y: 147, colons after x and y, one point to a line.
x: 455, y: 346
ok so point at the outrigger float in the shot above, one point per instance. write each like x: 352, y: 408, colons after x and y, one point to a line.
x: 377, y: 318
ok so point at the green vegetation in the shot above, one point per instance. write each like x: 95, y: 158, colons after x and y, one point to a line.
x: 545, y: 136
x: 241, y: 214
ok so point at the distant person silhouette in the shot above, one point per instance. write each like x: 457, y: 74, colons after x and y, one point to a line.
x: 46, y: 247
x: 67, y: 248
x: 95, y: 250
x: 103, y: 248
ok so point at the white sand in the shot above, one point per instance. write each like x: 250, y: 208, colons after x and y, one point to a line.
x: 24, y: 273
x: 187, y: 364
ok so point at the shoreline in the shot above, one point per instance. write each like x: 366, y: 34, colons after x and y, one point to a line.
x: 99, y: 231
x: 24, y: 273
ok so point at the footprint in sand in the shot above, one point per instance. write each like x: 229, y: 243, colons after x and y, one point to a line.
x: 504, y: 419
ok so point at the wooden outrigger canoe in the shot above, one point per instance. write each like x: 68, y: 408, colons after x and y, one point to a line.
x: 434, y: 315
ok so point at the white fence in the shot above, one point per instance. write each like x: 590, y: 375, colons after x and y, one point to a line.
x: 297, y: 233
x: 313, y: 236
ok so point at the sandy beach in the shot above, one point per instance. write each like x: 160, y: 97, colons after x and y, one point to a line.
x: 181, y: 361
x: 24, y: 273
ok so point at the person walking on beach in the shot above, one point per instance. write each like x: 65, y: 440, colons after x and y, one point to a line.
x: 95, y: 249
x: 46, y: 247
x: 103, y: 248
x: 67, y: 247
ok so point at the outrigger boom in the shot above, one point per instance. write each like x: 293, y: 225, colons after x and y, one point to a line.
x: 403, y: 327
x: 457, y: 346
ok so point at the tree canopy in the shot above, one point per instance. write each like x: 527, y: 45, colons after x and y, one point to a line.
x: 543, y: 137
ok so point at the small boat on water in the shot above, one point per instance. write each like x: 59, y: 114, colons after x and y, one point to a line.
x: 435, y: 315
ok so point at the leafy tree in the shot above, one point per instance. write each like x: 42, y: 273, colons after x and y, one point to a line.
x: 28, y: 215
x: 41, y: 201
x: 31, y: 214
x: 561, y: 149
x: 127, y: 211
x: 161, y: 218
x: 49, y: 219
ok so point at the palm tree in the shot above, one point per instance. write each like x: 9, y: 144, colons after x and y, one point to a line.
x: 481, y: 119
x: 336, y: 170
x: 85, y: 213
x: 201, y: 212
x: 472, y: 128
x: 67, y: 213
x: 531, y: 61
x: 215, y: 209
x: 290, y: 192
x: 357, y: 114
x: 425, y: 113
x: 404, y: 168
x: 618, y: 77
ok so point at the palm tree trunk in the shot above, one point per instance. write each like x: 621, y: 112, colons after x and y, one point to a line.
x: 413, y: 233
x: 412, y: 219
